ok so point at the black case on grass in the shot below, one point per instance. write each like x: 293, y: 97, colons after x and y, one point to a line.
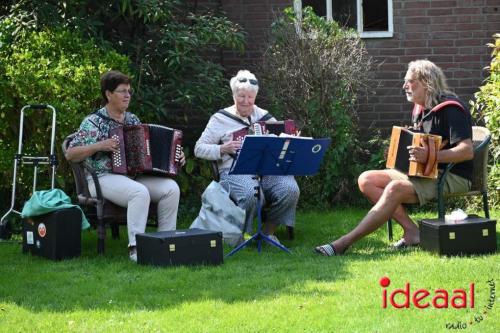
x: 55, y: 236
x: 180, y: 247
x: 474, y: 235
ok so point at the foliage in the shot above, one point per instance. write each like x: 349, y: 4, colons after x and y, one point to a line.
x: 171, y: 49
x: 487, y: 108
x: 313, y: 70
x: 172, y: 54
x: 52, y: 66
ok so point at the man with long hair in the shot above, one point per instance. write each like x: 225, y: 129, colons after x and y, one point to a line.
x: 425, y: 86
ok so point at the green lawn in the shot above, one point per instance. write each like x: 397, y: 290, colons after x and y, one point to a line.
x: 270, y: 292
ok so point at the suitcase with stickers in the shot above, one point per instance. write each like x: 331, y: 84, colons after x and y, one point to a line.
x: 55, y: 236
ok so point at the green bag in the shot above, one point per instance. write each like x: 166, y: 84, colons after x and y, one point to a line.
x: 47, y: 201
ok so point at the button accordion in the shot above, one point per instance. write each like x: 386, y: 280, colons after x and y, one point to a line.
x: 146, y: 148
x: 267, y: 127
x: 398, y: 156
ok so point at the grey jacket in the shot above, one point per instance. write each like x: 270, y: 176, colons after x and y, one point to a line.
x: 219, y: 131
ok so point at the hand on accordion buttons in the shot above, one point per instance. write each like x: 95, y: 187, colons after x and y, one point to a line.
x: 182, y: 158
x: 230, y: 147
x: 111, y: 145
x: 419, y: 154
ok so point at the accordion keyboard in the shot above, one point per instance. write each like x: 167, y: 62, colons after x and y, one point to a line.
x: 116, y: 156
x: 178, y: 150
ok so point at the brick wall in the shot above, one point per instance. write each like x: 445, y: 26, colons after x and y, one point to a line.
x: 255, y: 17
x: 451, y: 33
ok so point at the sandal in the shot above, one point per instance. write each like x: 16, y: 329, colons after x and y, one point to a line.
x: 327, y: 250
x: 401, y: 245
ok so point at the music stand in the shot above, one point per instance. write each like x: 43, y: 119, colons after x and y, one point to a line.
x: 277, y: 156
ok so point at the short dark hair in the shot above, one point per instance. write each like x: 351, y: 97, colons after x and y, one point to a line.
x: 112, y: 79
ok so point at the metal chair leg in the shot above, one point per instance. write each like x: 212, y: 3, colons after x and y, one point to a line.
x: 441, y: 209
x: 389, y: 229
x: 101, y: 236
x: 485, y: 205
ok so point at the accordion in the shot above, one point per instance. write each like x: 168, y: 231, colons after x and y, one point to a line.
x: 267, y: 127
x: 398, y: 156
x: 146, y: 148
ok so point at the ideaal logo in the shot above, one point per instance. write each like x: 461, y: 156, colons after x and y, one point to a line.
x: 423, y: 298
x: 439, y: 299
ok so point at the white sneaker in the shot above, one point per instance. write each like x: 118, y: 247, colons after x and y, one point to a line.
x: 274, y: 238
x: 132, y: 254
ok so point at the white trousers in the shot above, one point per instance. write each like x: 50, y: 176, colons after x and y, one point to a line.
x: 136, y: 194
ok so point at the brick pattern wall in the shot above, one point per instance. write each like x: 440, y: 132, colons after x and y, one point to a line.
x: 255, y: 17
x: 451, y: 33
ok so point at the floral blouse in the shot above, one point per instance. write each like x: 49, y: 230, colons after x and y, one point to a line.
x: 94, y: 128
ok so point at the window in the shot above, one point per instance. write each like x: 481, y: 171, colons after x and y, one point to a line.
x: 372, y: 18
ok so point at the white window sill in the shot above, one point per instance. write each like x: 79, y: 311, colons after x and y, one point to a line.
x: 376, y: 34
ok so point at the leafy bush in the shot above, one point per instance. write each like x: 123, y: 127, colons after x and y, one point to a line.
x: 56, y: 67
x: 172, y: 54
x: 312, y: 72
x: 171, y: 49
x: 487, y: 108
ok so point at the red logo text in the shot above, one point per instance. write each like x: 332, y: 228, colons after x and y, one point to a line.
x: 401, y: 298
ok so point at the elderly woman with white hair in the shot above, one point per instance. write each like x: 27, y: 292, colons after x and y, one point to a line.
x: 216, y: 143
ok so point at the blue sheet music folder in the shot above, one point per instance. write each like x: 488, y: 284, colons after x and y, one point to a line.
x: 269, y: 155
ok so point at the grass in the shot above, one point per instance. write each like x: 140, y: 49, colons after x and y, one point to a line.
x: 270, y: 292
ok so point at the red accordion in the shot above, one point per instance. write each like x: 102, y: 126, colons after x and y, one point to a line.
x: 267, y: 127
x: 146, y: 148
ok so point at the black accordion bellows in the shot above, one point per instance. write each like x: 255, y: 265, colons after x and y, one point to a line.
x: 160, y: 153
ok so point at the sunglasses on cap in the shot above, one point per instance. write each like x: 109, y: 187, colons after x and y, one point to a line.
x: 252, y: 81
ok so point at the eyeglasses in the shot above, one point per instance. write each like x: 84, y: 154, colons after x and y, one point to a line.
x: 125, y: 91
x: 252, y: 81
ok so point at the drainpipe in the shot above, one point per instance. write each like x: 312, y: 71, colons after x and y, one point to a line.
x: 297, y: 8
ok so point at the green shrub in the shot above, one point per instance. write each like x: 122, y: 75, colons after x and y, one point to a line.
x: 172, y: 50
x: 173, y: 54
x: 52, y: 66
x: 312, y: 72
x: 487, y: 108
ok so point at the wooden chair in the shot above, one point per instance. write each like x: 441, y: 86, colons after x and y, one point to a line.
x: 98, y: 209
x: 215, y: 175
x: 481, y: 138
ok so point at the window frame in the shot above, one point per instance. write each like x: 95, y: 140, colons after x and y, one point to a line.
x: 359, y: 22
x: 374, y: 34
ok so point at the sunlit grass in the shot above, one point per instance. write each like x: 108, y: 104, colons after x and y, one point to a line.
x: 270, y: 292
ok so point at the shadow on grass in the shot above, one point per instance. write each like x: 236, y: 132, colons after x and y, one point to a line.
x: 112, y: 282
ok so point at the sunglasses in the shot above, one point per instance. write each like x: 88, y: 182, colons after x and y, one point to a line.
x: 252, y: 81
